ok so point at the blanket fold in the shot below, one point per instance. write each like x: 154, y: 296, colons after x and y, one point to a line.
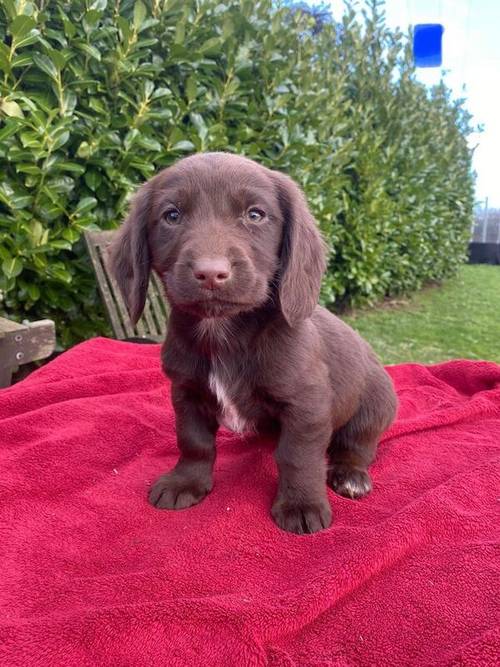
x: 91, y: 575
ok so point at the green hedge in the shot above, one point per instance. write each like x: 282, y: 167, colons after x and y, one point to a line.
x: 96, y: 96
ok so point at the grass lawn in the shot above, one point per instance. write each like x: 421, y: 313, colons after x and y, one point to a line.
x: 460, y: 319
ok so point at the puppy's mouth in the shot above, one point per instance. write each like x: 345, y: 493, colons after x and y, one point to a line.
x: 212, y: 305
x: 216, y: 307
x: 206, y: 303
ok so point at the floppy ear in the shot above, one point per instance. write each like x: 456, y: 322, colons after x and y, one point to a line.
x: 129, y: 256
x: 302, y: 258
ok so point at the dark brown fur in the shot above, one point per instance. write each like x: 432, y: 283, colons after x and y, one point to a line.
x: 245, y: 325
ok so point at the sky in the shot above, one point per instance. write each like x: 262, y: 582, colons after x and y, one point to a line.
x: 471, y: 58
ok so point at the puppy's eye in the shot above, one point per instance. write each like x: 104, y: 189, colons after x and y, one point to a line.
x: 172, y: 215
x: 255, y: 214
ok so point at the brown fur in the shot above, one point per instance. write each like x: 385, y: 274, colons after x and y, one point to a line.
x: 246, y: 338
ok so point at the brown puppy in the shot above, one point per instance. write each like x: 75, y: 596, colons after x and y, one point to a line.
x: 248, y: 347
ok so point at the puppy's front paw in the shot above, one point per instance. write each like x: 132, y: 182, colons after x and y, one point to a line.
x: 301, y: 517
x: 175, y: 492
x: 349, y: 482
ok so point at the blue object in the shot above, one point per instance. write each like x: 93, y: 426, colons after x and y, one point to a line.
x: 427, y: 51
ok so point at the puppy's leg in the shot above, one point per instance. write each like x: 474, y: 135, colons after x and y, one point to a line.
x: 191, y: 479
x: 354, y: 446
x: 351, y: 452
x: 301, y: 504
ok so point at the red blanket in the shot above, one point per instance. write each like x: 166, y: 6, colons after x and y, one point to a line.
x: 91, y: 575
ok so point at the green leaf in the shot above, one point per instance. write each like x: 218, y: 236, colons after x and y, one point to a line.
x: 12, y: 267
x: 97, y: 105
x: 149, y: 143
x: 23, y: 60
x: 57, y: 36
x: 90, y: 50
x: 73, y: 167
x: 60, y: 140
x: 140, y: 13
x: 21, y: 26
x: 6, y: 191
x: 146, y: 168
x: 212, y: 45
x: 30, y: 140
x: 84, y: 150
x: 28, y: 169
x: 93, y: 180
x: 38, y: 115
x: 161, y: 92
x: 99, y: 5
x: 71, y: 234
x: 21, y: 201
x: 33, y: 291
x: 69, y: 28
x: 191, y: 88
x: 199, y: 123
x: 227, y: 28
x: 62, y: 244
x: 85, y: 205
x: 130, y: 137
x: 91, y: 18
x: 149, y: 86
x: 183, y: 146
x: 124, y: 27
x: 40, y: 262
x: 10, y: 9
x: 36, y: 232
x: 68, y: 102
x: 180, y: 32
x: 5, y: 57
x: 85, y: 222
x: 59, y: 272
x: 172, y: 4
x: 57, y: 58
x: 4, y: 254
x: 46, y: 65
x: 148, y: 23
x: 10, y: 128
x: 11, y: 108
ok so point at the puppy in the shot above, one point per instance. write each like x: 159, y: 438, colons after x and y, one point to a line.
x: 241, y: 260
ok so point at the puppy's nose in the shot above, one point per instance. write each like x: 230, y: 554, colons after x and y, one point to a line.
x: 212, y: 273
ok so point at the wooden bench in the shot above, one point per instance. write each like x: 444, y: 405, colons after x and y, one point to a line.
x: 28, y: 342
x: 153, y: 323
x: 22, y: 344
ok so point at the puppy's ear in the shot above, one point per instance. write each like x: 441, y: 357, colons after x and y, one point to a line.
x: 129, y: 257
x: 302, y: 258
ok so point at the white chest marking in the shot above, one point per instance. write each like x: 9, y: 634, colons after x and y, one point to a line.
x: 229, y: 415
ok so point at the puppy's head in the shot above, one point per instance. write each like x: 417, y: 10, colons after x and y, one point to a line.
x: 225, y: 235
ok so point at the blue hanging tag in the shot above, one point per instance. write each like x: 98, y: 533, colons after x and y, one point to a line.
x: 427, y: 40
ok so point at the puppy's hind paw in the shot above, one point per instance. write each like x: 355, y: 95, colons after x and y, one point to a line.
x: 349, y: 482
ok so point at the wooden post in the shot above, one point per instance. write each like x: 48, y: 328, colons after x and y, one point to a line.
x: 23, y: 343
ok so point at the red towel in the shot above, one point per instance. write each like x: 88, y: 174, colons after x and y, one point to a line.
x: 91, y: 575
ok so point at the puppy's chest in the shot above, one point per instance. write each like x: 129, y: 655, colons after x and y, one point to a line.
x: 236, y: 407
